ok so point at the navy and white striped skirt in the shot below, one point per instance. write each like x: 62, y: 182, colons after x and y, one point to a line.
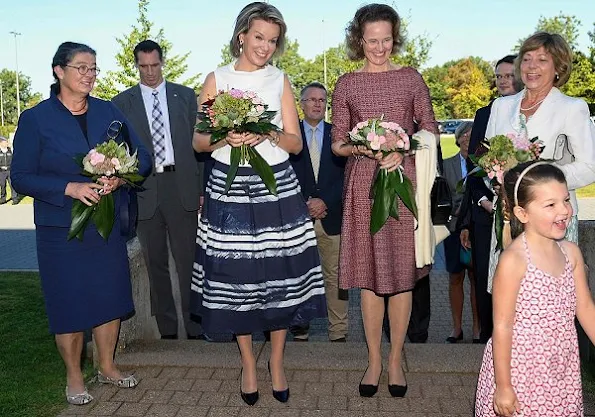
x: 257, y: 266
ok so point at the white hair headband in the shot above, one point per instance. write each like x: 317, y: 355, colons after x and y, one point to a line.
x: 520, y: 178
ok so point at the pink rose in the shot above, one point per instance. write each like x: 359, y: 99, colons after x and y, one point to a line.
x: 400, y: 144
x: 361, y: 125
x: 116, y: 163
x: 96, y: 157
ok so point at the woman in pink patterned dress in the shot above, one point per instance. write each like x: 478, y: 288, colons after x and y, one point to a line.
x: 531, y: 366
x: 382, y: 265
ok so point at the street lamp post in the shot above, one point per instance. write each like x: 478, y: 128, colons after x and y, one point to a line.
x: 16, y: 56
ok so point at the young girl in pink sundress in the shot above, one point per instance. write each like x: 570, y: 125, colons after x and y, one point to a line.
x: 531, y: 365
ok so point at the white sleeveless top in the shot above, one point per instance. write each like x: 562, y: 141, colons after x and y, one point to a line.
x: 268, y: 83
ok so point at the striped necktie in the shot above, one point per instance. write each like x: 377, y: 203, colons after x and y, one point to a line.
x: 314, y: 153
x: 158, y: 129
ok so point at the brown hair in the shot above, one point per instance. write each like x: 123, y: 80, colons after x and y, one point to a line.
x: 556, y: 46
x: 253, y: 11
x: 369, y: 14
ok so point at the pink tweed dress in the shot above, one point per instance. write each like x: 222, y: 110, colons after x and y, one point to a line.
x: 385, y: 262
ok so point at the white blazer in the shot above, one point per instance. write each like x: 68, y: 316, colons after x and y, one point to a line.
x: 558, y: 115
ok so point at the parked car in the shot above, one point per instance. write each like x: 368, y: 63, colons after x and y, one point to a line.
x: 448, y: 127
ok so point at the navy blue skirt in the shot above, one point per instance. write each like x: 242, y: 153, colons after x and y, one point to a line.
x: 257, y: 266
x: 85, y: 283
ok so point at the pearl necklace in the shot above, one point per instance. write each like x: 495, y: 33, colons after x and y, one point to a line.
x: 533, y: 106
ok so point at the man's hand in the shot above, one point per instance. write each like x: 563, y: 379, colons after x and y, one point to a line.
x: 316, y: 208
x: 465, y: 241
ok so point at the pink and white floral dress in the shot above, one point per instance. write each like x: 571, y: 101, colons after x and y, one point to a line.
x: 545, y: 364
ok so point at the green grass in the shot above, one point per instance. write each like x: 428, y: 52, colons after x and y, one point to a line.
x: 32, y: 375
x: 449, y: 148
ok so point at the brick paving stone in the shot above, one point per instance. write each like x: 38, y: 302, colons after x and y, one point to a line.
x: 152, y: 383
x: 287, y: 412
x: 446, y: 379
x: 308, y: 376
x: 185, y: 398
x: 456, y: 405
x: 231, y: 385
x: 192, y: 411
x: 425, y: 405
x: 332, y: 402
x: 316, y: 413
x: 354, y: 376
x: 349, y: 413
x: 179, y: 384
x: 226, y: 374
x: 206, y: 385
x: 256, y: 412
x: 296, y: 387
x: 156, y: 397
x: 129, y: 395
x: 105, y: 408
x: 103, y: 392
x: 163, y: 410
x: 333, y: 376
x: 133, y: 409
x: 393, y: 404
x: 148, y: 372
x: 200, y: 373
x: 392, y: 414
x: 414, y: 390
x: 469, y: 379
x: 419, y: 379
x: 303, y: 402
x: 361, y: 403
x: 223, y: 412
x: 319, y: 388
x: 174, y: 372
x: 73, y: 410
x: 213, y: 398
x: 345, y: 388
x: 436, y: 391
x: 463, y: 391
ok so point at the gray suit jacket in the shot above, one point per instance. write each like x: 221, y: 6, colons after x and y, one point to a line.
x: 182, y: 107
x: 453, y: 174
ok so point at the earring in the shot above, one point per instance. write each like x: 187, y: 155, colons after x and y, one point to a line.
x: 557, y: 77
x: 241, y: 47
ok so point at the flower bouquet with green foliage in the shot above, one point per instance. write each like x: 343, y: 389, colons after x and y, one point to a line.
x: 108, y: 159
x: 239, y: 111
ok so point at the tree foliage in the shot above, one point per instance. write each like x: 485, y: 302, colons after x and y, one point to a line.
x: 565, y: 25
x: 9, y: 95
x: 174, y: 66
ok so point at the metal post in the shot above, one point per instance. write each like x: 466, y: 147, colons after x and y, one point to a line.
x: 16, y: 56
x: 324, y: 69
x: 2, y: 102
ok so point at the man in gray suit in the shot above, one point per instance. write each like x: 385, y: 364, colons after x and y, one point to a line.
x: 164, y: 115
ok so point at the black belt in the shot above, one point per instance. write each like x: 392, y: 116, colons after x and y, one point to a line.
x: 166, y: 168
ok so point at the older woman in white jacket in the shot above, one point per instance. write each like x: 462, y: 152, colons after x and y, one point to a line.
x: 560, y: 122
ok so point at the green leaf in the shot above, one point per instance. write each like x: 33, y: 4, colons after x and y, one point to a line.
x: 407, y: 195
x: 499, y: 224
x: 234, y: 163
x: 381, y: 204
x: 80, y: 215
x: 103, y: 216
x: 263, y: 169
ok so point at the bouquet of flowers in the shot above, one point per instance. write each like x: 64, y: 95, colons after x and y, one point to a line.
x: 239, y: 111
x: 108, y: 159
x: 384, y: 137
x: 493, y: 158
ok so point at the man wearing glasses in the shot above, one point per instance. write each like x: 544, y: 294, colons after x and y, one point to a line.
x: 164, y: 115
x: 476, y: 225
x: 320, y: 174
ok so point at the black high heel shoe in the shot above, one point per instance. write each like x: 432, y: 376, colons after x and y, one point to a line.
x: 368, y: 390
x: 281, y: 396
x: 397, y: 390
x: 249, y: 398
x: 452, y: 339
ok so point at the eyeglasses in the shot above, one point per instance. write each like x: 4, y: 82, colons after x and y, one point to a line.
x: 314, y: 100
x: 83, y: 69
x: 505, y: 76
x: 372, y: 43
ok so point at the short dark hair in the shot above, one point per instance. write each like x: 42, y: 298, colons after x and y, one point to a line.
x: 147, y: 46
x: 64, y: 56
x: 369, y: 14
x: 314, y: 84
x: 508, y: 59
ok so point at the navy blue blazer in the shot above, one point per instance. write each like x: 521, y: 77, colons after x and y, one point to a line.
x: 330, y: 179
x: 47, y: 140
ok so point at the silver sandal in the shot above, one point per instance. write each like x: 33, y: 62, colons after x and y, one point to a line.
x: 79, y: 399
x: 126, y: 382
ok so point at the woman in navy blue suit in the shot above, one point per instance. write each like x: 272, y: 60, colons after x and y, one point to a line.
x: 86, y: 284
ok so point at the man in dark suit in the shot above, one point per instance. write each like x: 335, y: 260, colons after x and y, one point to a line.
x: 477, y: 220
x: 320, y: 174
x: 164, y: 115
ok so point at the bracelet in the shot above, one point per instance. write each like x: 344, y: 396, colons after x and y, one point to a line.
x: 352, y: 149
x: 274, y: 137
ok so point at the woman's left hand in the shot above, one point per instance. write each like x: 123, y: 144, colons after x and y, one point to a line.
x: 391, y: 161
x: 252, y: 139
x: 110, y: 184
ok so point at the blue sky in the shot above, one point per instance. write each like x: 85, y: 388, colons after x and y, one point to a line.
x: 458, y: 28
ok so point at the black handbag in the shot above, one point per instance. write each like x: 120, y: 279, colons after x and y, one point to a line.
x: 440, y: 198
x: 441, y: 202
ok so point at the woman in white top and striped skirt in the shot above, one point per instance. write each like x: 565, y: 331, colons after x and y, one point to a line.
x: 257, y: 265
